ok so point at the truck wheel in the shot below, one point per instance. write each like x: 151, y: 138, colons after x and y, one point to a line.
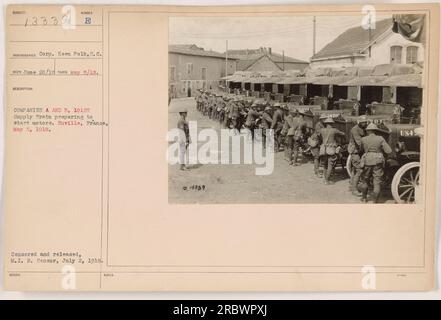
x: 405, y: 181
x: 349, y: 168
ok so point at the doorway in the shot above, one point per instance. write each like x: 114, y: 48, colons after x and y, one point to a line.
x: 188, y: 89
x: 370, y: 94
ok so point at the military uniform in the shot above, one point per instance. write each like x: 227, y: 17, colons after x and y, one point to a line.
x: 288, y: 138
x: 227, y: 111
x: 209, y: 107
x: 277, y: 125
x: 284, y: 136
x: 234, y: 114
x: 251, y: 116
x: 328, y: 149
x: 266, y: 122
x: 296, y: 128
x: 373, y: 147
x: 314, y: 142
x: 184, y: 139
x: 354, y: 149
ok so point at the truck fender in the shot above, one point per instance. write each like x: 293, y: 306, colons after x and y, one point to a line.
x: 392, y: 163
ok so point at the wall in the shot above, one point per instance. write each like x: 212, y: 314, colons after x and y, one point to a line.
x: 380, y: 53
x: 292, y: 65
x: 185, y: 83
x: 263, y: 64
x: 333, y: 63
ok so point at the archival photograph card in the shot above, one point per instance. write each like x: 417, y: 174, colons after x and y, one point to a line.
x: 221, y: 148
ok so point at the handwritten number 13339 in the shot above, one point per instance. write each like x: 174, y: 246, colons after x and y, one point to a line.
x: 43, y: 21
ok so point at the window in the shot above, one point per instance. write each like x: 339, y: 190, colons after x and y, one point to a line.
x: 411, y: 54
x: 204, y: 73
x: 172, y: 73
x: 388, y: 95
x: 395, y: 54
x: 189, y: 68
x: 172, y: 92
x: 353, y: 93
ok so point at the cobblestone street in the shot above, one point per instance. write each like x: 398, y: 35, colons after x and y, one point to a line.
x: 239, y: 183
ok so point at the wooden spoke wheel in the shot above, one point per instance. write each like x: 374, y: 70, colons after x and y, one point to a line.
x: 349, y: 167
x: 405, y: 182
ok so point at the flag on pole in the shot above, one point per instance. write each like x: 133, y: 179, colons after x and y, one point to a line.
x: 410, y: 26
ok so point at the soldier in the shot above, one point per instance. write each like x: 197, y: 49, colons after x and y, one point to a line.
x: 288, y: 135
x: 184, y: 138
x: 226, y: 112
x: 296, y: 130
x: 296, y: 127
x: 206, y: 103
x: 198, y: 101
x: 330, y: 102
x: 222, y: 113
x: 314, y: 142
x: 373, y: 147
x: 329, y: 148
x: 251, y: 117
x: 219, y: 109
x: 208, y: 106
x: 277, y: 124
x: 354, y: 149
x: 266, y: 122
x: 204, y: 99
x: 241, y: 114
x: 228, y: 109
x: 284, y: 130
x: 215, y: 107
x: 234, y: 114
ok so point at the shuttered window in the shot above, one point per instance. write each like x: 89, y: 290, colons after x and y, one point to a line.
x: 411, y: 54
x: 395, y: 54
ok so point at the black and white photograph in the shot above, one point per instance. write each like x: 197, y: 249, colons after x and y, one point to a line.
x: 295, y: 109
x: 206, y: 149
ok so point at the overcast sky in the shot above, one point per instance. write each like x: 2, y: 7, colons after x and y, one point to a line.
x: 291, y: 34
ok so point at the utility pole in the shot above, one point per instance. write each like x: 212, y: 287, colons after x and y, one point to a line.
x: 370, y: 35
x: 283, y: 60
x: 226, y: 58
x: 313, y: 35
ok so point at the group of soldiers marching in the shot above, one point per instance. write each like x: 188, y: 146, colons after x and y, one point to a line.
x: 366, y: 147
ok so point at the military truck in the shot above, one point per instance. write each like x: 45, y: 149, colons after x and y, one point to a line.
x: 403, y: 165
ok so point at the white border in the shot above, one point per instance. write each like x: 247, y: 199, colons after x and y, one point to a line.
x: 435, y: 294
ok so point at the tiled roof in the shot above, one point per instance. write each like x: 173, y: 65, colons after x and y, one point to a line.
x: 191, y: 49
x: 353, y: 41
x: 244, y: 64
x: 252, y: 55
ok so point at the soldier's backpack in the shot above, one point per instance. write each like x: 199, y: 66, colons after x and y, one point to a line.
x: 325, y: 148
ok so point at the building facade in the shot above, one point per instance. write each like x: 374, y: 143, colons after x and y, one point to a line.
x: 358, y: 47
x: 361, y: 47
x: 192, y: 68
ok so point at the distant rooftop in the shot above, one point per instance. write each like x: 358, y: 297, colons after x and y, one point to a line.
x: 248, y: 56
x: 194, y: 50
x: 353, y: 41
x: 254, y: 54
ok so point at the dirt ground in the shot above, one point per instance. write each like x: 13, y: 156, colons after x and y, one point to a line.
x: 222, y: 183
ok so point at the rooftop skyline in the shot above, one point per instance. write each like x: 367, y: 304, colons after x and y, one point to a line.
x: 293, y: 35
